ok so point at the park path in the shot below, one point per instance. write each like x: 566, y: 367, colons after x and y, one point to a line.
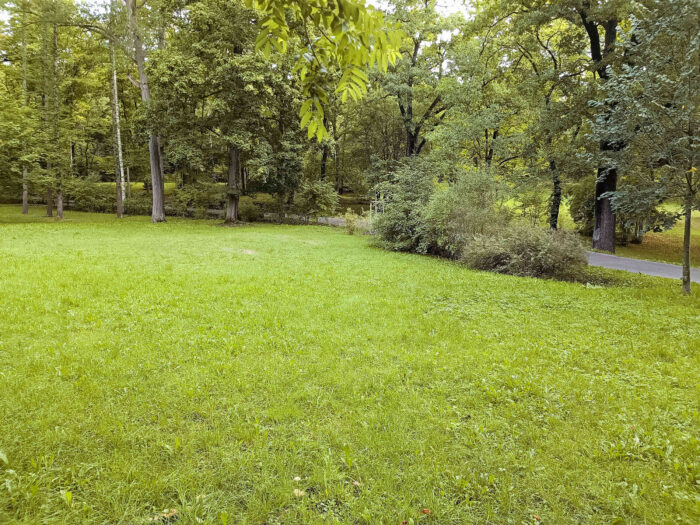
x: 656, y: 269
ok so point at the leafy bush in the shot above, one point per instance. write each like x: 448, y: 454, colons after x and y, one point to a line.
x: 248, y: 211
x: 198, y: 197
x: 90, y: 195
x: 316, y: 199
x: 527, y: 251
x: 457, y: 213
x: 439, y: 218
x: 351, y: 219
x: 401, y: 226
x: 139, y: 203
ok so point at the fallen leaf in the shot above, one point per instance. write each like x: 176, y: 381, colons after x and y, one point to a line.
x: 426, y: 511
x: 167, y: 516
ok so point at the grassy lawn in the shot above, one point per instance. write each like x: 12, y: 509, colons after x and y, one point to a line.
x: 198, y: 368
x: 667, y: 246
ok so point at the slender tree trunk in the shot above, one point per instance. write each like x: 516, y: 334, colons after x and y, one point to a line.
x: 556, y: 196
x: 158, y: 186
x: 25, y: 189
x: 49, y: 154
x: 324, y: 152
x: 25, y: 192
x: 604, y: 229
x: 688, y: 212
x: 49, y: 203
x: 233, y: 191
x: 59, y: 193
x: 118, y: 161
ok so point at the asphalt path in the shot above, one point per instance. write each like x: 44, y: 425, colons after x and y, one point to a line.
x: 656, y: 269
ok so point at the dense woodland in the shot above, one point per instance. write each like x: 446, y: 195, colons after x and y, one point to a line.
x: 459, y: 120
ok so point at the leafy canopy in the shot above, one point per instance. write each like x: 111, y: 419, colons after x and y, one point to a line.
x: 338, y: 35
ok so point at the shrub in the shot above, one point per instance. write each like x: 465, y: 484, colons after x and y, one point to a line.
x: 439, y: 218
x: 90, y: 195
x: 401, y: 226
x: 316, y: 199
x: 248, y: 211
x: 139, y: 203
x: 351, y: 219
x: 528, y: 251
x: 457, y: 213
x: 195, y: 199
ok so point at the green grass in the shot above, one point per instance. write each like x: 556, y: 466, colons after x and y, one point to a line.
x: 199, y: 368
x: 667, y: 246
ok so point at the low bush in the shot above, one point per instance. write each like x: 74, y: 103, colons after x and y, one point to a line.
x: 90, y: 195
x: 424, y: 216
x: 317, y: 199
x: 351, y: 221
x: 529, y: 252
x: 248, y: 211
x: 140, y: 203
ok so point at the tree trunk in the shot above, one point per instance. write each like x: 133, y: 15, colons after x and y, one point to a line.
x: 556, y: 196
x: 59, y: 196
x: 604, y: 230
x: 411, y: 144
x: 25, y: 192
x: 233, y: 191
x: 688, y: 212
x: 158, y: 186
x: 49, y: 203
x: 59, y: 204
x: 324, y: 160
x: 118, y: 161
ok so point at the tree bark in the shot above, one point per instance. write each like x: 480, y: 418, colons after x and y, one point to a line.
x: 25, y: 192
x: 118, y: 161
x: 158, y: 185
x: 556, y: 196
x: 49, y: 203
x: 233, y: 191
x: 688, y: 212
x: 604, y: 229
x: 59, y: 193
x: 324, y: 153
x: 25, y: 189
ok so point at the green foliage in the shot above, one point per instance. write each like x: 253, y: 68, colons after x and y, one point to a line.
x: 581, y: 199
x: 351, y: 221
x: 248, y: 210
x: 528, y: 252
x: 316, y: 199
x: 426, y: 217
x: 349, y: 36
x: 401, y: 226
x: 191, y: 367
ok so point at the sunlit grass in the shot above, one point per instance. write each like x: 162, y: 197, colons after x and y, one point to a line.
x: 667, y: 246
x: 193, y: 367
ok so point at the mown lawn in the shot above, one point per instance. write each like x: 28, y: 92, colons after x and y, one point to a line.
x: 198, y: 368
x: 667, y: 246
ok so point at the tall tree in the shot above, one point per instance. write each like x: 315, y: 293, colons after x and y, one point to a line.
x: 154, y: 147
